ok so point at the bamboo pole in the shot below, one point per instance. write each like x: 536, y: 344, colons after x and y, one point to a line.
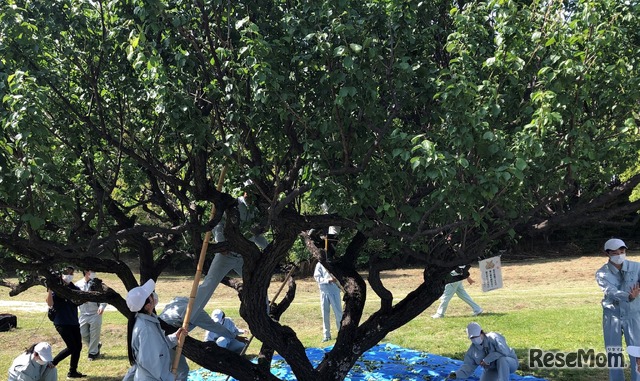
x: 196, y: 280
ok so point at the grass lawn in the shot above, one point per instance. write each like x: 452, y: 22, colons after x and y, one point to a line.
x: 553, y: 305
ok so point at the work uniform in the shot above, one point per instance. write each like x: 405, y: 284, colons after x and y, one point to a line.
x: 494, y: 351
x: 329, y: 296
x: 619, y: 315
x: 223, y: 263
x: 231, y: 343
x: 151, y: 349
x: 90, y: 321
x: 174, y: 313
x: 25, y: 368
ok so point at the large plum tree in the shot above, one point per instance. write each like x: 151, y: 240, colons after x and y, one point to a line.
x: 437, y: 129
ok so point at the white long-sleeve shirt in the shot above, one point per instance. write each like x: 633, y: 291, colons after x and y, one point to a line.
x: 325, y: 280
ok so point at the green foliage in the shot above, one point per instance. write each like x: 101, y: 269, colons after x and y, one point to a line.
x: 412, y: 119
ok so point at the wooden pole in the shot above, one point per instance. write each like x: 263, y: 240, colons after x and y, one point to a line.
x: 196, y: 280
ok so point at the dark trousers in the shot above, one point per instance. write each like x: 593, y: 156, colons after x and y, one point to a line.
x: 73, y: 339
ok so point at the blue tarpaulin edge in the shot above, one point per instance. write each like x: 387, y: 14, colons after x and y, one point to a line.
x: 384, y: 362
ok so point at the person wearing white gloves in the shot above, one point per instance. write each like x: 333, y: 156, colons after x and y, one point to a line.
x: 618, y: 279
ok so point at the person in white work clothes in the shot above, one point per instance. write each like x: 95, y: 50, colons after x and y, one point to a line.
x: 235, y: 344
x: 34, y: 364
x: 618, y: 279
x: 491, y: 352
x: 226, y: 261
x: 148, y: 348
x: 90, y: 318
x: 329, y: 296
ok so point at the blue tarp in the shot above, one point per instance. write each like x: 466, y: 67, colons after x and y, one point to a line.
x: 384, y: 362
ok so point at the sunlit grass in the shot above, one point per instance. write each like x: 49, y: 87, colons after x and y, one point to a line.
x: 552, y: 305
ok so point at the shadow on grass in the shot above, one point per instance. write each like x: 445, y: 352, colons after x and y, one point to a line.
x: 111, y: 357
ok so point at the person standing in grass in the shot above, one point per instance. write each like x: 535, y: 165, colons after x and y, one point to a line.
x: 618, y: 279
x: 148, y: 348
x: 90, y: 317
x: 67, y: 325
x: 456, y: 288
x: 491, y: 352
x: 329, y: 296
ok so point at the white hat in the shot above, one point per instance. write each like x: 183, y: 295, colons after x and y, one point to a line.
x: 217, y: 316
x: 473, y: 329
x: 44, y: 351
x: 633, y: 350
x: 614, y: 244
x: 136, y: 297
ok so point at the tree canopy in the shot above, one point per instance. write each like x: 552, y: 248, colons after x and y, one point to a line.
x: 438, y: 129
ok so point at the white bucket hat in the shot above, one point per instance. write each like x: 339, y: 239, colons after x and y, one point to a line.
x: 44, y: 351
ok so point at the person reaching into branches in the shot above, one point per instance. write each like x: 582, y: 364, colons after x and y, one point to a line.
x: 226, y: 261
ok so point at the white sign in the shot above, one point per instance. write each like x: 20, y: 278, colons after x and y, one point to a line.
x: 491, y: 271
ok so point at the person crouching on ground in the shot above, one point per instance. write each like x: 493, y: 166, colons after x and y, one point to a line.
x: 34, y: 364
x: 235, y: 344
x: 148, y: 348
x: 491, y: 352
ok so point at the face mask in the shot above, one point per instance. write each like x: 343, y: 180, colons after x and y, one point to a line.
x: 617, y: 259
x: 155, y: 299
x: 67, y: 278
x: 92, y: 275
x: 477, y: 340
x: 39, y: 360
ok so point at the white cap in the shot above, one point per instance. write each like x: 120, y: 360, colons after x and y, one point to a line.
x: 136, y: 297
x: 633, y: 350
x: 217, y: 316
x: 614, y: 244
x: 473, y: 329
x: 44, y: 351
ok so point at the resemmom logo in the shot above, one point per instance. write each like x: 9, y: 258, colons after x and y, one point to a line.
x: 613, y: 358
